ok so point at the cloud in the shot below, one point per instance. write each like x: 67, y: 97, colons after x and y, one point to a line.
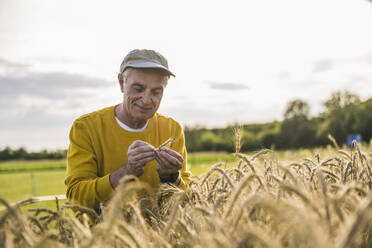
x: 54, y: 60
x: 31, y: 99
x: 8, y: 64
x: 326, y: 65
x: 10, y: 68
x: 226, y: 86
x: 17, y: 81
x: 48, y: 85
x: 323, y: 66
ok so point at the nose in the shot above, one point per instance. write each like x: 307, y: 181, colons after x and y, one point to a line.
x: 146, y: 98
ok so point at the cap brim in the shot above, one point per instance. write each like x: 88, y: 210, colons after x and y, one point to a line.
x: 147, y: 64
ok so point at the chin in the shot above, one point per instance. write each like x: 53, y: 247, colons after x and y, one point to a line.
x: 144, y: 116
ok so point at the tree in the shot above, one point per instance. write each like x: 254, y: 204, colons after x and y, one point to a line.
x: 297, y: 108
x: 339, y: 100
x: 340, y: 115
x: 208, y: 141
x: 296, y: 129
x: 6, y: 154
x: 361, y: 121
x: 20, y: 153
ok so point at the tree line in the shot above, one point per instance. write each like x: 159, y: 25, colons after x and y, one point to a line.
x: 22, y: 154
x: 344, y: 114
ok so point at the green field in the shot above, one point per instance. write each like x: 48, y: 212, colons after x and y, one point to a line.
x: 20, y: 185
x: 22, y: 179
x: 40, y: 165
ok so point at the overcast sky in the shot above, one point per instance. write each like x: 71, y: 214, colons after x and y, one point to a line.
x: 235, y: 61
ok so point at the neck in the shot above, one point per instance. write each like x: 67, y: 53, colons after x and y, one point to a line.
x: 123, y: 116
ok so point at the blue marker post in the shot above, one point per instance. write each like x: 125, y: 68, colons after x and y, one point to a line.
x: 352, y: 137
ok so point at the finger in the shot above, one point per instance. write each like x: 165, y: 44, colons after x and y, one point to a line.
x: 167, y: 168
x: 133, y: 153
x: 142, y: 149
x: 140, y: 161
x: 172, y: 161
x: 160, y: 160
x: 164, y: 164
x: 143, y: 155
x: 138, y: 143
x: 174, y: 154
x: 144, y: 161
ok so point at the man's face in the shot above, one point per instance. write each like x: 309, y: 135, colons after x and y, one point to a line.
x: 143, y: 91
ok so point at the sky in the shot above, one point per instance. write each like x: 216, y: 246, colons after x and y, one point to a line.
x: 235, y: 61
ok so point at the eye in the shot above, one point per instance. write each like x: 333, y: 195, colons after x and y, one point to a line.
x: 138, y: 89
x: 156, y: 92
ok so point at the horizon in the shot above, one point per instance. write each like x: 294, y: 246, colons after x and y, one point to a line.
x: 197, y: 126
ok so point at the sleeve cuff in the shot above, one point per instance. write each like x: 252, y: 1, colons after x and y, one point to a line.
x: 182, y: 184
x: 104, y: 189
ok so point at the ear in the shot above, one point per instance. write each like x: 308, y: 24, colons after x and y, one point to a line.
x: 121, y: 82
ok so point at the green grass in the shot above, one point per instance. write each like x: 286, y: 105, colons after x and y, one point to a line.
x: 38, y: 165
x: 16, y: 186
x: 199, y: 163
x: 22, y: 185
x: 20, y: 180
x: 45, y: 180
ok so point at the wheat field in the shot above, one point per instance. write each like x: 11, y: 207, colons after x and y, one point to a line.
x: 261, y: 202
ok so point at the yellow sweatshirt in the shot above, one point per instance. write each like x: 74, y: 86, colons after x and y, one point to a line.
x: 98, y: 146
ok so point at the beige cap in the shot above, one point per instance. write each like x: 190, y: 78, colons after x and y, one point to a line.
x: 143, y: 58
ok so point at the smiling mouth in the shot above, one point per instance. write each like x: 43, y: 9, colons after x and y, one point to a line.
x: 143, y: 108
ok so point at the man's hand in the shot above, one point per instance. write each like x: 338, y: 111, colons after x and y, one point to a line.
x: 139, y: 153
x: 169, y: 162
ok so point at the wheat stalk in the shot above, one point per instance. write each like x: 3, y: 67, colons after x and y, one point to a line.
x: 307, y: 203
x: 169, y: 142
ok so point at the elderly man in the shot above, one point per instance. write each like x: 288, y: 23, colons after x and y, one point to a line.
x: 108, y: 144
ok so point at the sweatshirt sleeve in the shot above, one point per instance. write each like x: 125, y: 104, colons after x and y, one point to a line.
x: 84, y: 186
x: 185, y: 174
